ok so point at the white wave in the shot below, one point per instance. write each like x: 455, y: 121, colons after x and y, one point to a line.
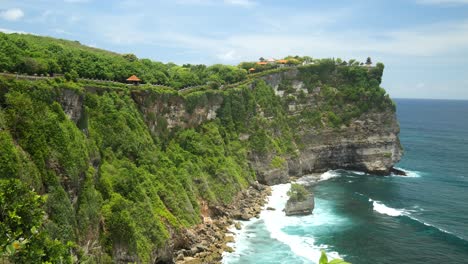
x: 358, y: 172
x: 328, y: 175
x: 383, y: 209
x: 436, y: 227
x: 276, y: 221
x: 409, y: 173
x: 309, y: 179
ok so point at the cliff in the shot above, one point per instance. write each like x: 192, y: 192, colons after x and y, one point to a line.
x: 124, y: 171
x: 367, y: 141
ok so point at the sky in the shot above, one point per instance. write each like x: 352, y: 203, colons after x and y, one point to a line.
x: 423, y: 43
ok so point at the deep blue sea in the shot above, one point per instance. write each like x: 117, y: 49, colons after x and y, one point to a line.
x: 422, y: 218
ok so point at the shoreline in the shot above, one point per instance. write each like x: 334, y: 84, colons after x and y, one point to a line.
x: 216, y: 238
x: 274, y: 220
x: 207, y: 242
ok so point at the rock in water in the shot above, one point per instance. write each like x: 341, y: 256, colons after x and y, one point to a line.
x: 304, y: 207
x: 398, y: 172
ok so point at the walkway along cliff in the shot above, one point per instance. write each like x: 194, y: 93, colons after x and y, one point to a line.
x: 126, y: 171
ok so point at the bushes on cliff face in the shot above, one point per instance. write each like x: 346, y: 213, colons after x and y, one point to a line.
x: 113, y: 185
x: 22, y: 238
x: 346, y: 92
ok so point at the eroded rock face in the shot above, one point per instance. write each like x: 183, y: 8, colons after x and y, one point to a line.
x: 266, y: 174
x: 72, y: 104
x: 369, y: 144
x: 304, y: 207
x: 166, y: 112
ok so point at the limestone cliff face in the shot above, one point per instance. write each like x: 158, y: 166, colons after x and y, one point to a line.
x: 166, y: 112
x: 72, y: 104
x: 368, y: 143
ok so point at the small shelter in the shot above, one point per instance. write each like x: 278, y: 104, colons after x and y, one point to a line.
x: 262, y: 63
x: 251, y: 70
x: 133, y: 80
x: 282, y: 61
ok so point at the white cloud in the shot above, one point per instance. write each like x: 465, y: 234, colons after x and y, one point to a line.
x: 243, y: 3
x: 77, y: 1
x: 431, y: 40
x: 442, y: 2
x: 240, y: 3
x: 12, y: 14
x: 124, y: 30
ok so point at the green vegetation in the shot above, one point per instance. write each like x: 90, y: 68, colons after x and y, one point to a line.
x: 30, y: 54
x: 324, y: 260
x: 80, y: 189
x: 105, y: 179
x: 297, y: 192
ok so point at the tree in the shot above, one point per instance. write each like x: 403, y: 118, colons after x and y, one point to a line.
x: 368, y: 61
x: 130, y: 57
x: 261, y: 59
x: 71, y: 76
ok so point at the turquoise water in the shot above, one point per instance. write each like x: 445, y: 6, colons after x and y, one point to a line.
x: 422, y: 218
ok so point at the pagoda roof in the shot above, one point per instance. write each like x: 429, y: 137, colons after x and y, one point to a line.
x: 133, y: 78
x: 282, y: 61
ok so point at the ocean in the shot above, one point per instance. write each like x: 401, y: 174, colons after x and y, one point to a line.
x: 364, y: 219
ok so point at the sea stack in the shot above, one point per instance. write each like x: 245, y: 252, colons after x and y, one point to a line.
x: 304, y: 207
x: 301, y: 201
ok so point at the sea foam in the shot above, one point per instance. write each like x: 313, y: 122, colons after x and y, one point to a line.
x: 276, y: 222
x: 329, y: 175
x: 383, y: 209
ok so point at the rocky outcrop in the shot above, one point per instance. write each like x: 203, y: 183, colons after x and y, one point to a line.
x: 303, y: 207
x: 206, y: 242
x: 267, y: 174
x: 370, y: 144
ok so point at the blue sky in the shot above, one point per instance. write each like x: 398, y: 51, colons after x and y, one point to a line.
x: 423, y: 43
